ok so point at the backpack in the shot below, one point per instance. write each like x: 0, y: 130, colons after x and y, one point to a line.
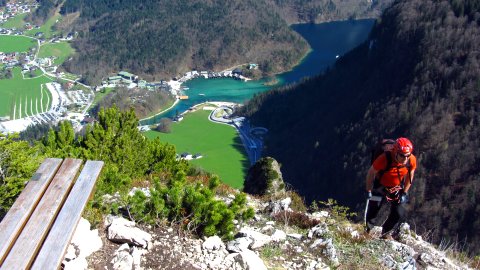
x: 386, y: 146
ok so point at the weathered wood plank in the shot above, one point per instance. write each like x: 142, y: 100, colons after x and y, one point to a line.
x: 21, y: 210
x: 23, y: 253
x: 61, y: 233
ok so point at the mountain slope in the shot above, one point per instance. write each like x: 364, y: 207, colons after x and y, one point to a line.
x: 170, y: 37
x: 159, y: 38
x: 416, y: 77
x: 318, y: 11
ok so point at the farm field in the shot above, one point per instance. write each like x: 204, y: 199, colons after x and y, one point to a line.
x: 25, y: 94
x: 16, y: 43
x: 221, y: 147
x: 60, y: 50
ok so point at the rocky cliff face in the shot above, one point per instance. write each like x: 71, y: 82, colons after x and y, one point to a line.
x: 277, y: 238
x: 265, y: 177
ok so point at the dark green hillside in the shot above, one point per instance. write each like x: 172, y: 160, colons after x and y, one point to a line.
x: 44, y: 11
x: 317, y: 11
x: 159, y: 38
x: 418, y: 76
x: 170, y: 37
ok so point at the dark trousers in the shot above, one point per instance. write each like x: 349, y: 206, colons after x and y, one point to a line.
x: 396, y: 216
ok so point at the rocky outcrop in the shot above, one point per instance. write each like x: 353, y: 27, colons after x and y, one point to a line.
x: 264, y: 177
x: 264, y: 243
x: 84, y: 242
x: 124, y: 231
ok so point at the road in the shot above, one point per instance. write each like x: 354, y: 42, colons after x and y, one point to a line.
x: 253, y: 145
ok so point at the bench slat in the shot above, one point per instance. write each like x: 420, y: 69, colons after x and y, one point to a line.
x: 22, y: 254
x: 21, y: 210
x: 56, y: 244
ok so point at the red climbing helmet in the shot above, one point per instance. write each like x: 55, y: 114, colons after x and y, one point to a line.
x: 403, y: 146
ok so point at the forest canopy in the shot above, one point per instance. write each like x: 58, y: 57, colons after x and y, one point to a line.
x: 157, y: 38
x: 170, y: 37
x: 417, y: 76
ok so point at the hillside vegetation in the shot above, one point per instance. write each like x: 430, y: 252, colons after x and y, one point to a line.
x: 158, y: 38
x: 299, y: 11
x: 417, y: 76
x: 179, y: 194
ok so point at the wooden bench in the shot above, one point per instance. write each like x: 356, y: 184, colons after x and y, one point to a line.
x: 38, y: 228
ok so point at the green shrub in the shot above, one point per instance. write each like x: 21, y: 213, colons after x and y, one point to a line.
x: 18, y: 162
x: 129, y: 158
x: 338, y: 212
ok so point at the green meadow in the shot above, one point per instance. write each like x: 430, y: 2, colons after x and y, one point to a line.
x: 16, y: 43
x: 16, y: 22
x: 60, y: 50
x: 46, y: 28
x: 221, y: 147
x: 100, y: 95
x: 25, y: 94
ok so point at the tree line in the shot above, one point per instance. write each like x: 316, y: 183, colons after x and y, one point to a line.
x: 416, y: 76
x: 144, y: 102
x: 178, y: 193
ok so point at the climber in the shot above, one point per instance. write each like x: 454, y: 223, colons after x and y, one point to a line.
x: 389, y: 180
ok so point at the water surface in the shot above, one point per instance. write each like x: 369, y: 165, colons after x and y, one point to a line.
x: 328, y: 41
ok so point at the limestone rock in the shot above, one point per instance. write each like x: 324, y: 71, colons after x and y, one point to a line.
x: 76, y: 264
x: 240, y: 244
x: 213, y: 243
x: 276, y: 207
x: 296, y: 236
x: 122, y: 259
x: 84, y: 242
x: 318, y: 231
x: 279, y: 236
x: 258, y: 239
x: 124, y: 231
x: 250, y: 261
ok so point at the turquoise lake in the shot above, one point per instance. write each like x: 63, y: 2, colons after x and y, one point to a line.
x: 327, y: 41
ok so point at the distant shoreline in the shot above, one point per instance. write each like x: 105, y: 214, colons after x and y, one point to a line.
x: 167, y: 109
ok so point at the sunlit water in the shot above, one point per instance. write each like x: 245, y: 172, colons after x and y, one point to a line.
x: 328, y: 42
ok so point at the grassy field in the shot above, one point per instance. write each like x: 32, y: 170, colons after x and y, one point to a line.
x: 46, y: 28
x: 16, y: 22
x: 16, y: 43
x: 70, y: 76
x: 27, y: 92
x: 100, y: 95
x: 60, y: 50
x: 220, y: 146
x: 35, y: 74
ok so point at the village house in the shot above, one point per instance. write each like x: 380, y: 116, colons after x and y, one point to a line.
x: 128, y: 76
x: 114, y: 79
x: 204, y: 74
x: 45, y: 62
